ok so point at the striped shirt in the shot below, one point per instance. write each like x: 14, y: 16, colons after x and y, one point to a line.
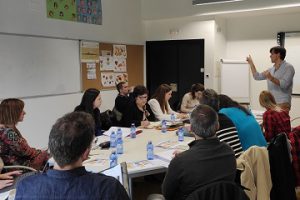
x: 227, y: 133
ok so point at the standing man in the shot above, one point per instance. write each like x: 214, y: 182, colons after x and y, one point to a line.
x: 208, y: 160
x: 279, y: 77
x: 70, y: 142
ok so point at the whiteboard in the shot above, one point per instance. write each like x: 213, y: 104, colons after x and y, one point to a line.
x: 38, y: 66
x: 292, y: 45
x: 235, y: 80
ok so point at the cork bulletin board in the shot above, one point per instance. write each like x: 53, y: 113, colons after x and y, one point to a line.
x: 97, y: 75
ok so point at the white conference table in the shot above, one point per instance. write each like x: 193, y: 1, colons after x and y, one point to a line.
x: 135, y: 151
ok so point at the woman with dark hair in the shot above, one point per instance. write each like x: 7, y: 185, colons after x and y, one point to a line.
x: 191, y: 99
x: 275, y: 119
x: 14, y: 148
x: 249, y: 131
x: 160, y: 103
x: 90, y: 103
x: 138, y: 111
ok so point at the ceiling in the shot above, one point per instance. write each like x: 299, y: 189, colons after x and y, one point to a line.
x: 158, y: 9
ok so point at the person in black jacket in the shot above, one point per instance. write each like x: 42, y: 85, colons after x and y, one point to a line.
x: 208, y: 160
x: 138, y: 111
x: 90, y: 103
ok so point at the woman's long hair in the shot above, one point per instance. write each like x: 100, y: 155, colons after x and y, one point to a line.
x: 86, y: 104
x: 267, y: 100
x: 87, y: 100
x: 160, y: 94
x: 227, y: 102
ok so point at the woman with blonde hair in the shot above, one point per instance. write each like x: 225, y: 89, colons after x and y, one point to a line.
x: 275, y: 119
x: 14, y: 148
x: 160, y: 103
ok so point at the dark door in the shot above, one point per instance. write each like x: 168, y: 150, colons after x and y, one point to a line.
x: 174, y: 62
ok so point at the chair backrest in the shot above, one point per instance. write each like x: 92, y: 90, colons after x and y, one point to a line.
x: 294, y: 138
x: 224, y: 190
x: 283, y: 178
x: 2, y: 166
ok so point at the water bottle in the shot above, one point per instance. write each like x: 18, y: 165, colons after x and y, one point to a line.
x: 163, y: 126
x: 113, y: 139
x: 113, y: 159
x: 120, y: 146
x: 180, y: 134
x: 173, y: 117
x: 132, y: 131
x: 150, y: 153
x: 119, y: 133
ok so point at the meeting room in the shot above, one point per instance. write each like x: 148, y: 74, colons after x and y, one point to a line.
x: 149, y: 99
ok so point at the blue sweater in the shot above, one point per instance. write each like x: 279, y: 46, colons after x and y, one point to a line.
x: 69, y: 185
x: 249, y: 131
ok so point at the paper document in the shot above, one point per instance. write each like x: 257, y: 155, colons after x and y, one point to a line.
x: 125, y: 131
x: 173, y: 144
x: 166, y: 156
x: 145, y: 165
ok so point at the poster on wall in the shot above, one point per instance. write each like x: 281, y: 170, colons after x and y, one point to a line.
x: 89, y: 11
x: 120, y: 64
x: 61, y: 9
x: 106, y: 63
x: 91, y: 71
x: 121, y: 77
x: 86, y: 11
x: 120, y: 51
x: 108, y: 79
x: 89, y: 51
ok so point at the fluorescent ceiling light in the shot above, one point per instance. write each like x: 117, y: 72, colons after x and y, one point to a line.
x: 210, y: 2
x: 252, y: 9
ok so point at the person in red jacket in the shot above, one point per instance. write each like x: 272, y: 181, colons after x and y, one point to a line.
x: 275, y: 119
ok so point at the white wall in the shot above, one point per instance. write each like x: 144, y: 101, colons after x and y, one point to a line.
x: 121, y: 24
x: 256, y: 35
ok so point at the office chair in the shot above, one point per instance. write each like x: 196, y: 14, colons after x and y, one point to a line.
x: 224, y: 190
x: 18, y: 178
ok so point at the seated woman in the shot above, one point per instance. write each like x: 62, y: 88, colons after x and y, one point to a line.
x: 191, y: 99
x: 14, y: 148
x: 90, y: 103
x: 275, y: 119
x: 249, y: 131
x: 160, y: 103
x: 138, y: 111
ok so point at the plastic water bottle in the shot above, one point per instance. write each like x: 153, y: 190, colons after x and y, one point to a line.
x: 113, y: 159
x: 180, y: 134
x: 113, y: 139
x: 163, y: 126
x: 119, y: 133
x: 120, y: 146
x: 173, y: 117
x: 150, y: 152
x: 132, y: 131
